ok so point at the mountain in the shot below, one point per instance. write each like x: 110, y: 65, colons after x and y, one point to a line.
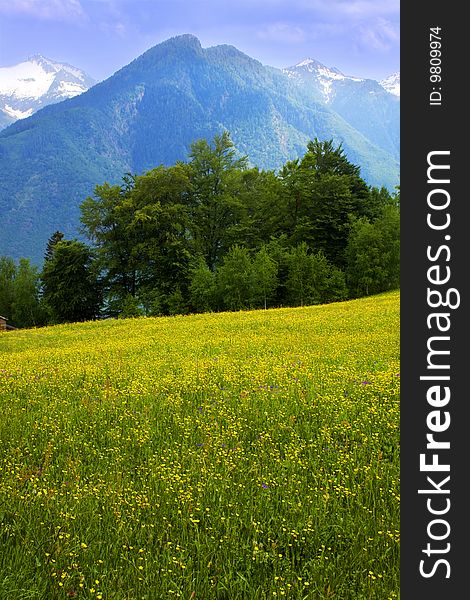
x: 369, y: 106
x: 324, y: 79
x: 149, y: 113
x: 35, y: 83
x: 392, y: 84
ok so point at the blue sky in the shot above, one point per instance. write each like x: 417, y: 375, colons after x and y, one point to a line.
x: 359, y: 37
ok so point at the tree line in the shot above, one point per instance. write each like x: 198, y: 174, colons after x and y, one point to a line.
x: 214, y: 234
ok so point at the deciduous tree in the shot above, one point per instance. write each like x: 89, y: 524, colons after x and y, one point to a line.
x: 27, y: 310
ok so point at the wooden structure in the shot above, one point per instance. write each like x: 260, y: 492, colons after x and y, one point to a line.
x: 4, y: 325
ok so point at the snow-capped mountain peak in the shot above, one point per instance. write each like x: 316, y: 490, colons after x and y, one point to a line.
x: 325, y: 76
x: 310, y: 65
x: 52, y: 66
x: 32, y: 84
x: 392, y: 84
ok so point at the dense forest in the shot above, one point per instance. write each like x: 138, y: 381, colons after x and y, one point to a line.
x: 214, y: 234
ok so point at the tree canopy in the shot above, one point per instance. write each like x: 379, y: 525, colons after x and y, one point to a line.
x: 214, y: 233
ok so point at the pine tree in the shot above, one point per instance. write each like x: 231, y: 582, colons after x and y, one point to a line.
x: 55, y: 238
x: 71, y: 288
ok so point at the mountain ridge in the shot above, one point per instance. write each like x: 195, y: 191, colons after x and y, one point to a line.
x: 148, y: 113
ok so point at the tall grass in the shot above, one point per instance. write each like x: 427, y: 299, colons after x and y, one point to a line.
x: 247, y: 455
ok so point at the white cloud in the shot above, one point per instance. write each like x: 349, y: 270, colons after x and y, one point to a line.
x: 282, y: 32
x: 379, y: 35
x: 46, y: 10
x: 114, y: 28
x: 358, y: 9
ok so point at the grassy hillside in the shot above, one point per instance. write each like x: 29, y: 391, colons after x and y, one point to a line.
x: 224, y: 456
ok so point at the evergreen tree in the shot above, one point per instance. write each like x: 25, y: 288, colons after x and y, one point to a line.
x: 130, y: 308
x: 323, y: 191
x: 175, y: 302
x: 70, y: 283
x: 380, y: 199
x: 55, y: 238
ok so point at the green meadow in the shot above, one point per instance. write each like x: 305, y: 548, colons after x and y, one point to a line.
x: 220, y: 456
